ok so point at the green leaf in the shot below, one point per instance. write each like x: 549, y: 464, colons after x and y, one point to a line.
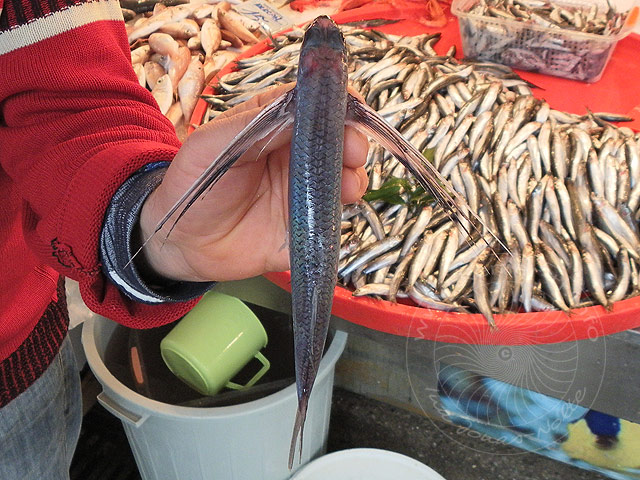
x: 395, y: 190
x: 429, y: 154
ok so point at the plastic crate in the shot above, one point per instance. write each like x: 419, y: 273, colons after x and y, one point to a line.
x: 553, y: 51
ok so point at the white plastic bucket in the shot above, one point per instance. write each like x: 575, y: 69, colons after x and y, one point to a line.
x: 369, y: 463
x: 240, y: 442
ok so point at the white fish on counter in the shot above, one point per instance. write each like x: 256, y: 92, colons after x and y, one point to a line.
x: 163, y: 93
x: 190, y: 86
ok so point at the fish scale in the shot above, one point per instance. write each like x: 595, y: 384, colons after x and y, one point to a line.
x: 315, y: 177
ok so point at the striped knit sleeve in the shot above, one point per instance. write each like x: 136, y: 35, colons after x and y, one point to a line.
x: 49, y: 17
x: 74, y: 125
x: 118, y: 246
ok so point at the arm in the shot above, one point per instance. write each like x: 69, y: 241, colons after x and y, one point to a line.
x: 75, y: 125
x: 82, y: 116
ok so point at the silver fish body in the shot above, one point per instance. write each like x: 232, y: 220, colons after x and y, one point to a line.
x: 315, y: 172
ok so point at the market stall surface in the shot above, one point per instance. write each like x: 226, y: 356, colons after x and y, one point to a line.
x: 104, y: 454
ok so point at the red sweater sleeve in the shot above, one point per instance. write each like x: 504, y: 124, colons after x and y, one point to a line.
x: 74, y: 125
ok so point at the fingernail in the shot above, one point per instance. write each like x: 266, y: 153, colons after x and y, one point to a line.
x: 364, y: 181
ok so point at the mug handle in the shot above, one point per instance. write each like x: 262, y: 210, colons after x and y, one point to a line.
x: 265, y: 366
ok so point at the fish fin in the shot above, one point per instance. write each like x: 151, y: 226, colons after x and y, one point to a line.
x: 367, y: 120
x: 298, y: 430
x: 285, y: 244
x: 303, y: 399
x: 276, y: 131
x: 275, y: 117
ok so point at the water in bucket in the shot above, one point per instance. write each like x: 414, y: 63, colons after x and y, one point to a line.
x: 161, y: 385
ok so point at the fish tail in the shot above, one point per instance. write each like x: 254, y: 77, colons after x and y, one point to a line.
x: 298, y: 430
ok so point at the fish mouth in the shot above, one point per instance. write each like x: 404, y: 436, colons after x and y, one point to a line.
x: 324, y: 31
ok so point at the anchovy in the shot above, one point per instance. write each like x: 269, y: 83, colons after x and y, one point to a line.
x: 372, y: 251
x: 398, y: 276
x: 424, y: 300
x: 417, y: 229
x: 549, y: 283
x: 594, y: 278
x: 386, y: 260
x: 528, y: 273
x: 480, y: 288
x: 448, y: 254
x: 372, y: 289
x: 542, y: 37
x: 461, y: 278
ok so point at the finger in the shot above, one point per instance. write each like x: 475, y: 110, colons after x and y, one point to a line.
x: 209, y: 139
x: 356, y: 147
x: 354, y: 184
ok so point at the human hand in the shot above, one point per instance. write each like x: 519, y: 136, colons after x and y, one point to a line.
x: 239, y: 229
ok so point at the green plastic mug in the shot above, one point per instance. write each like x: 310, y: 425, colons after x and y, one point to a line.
x: 213, y: 342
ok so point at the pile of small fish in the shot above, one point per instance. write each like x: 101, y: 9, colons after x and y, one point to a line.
x: 541, y: 36
x: 176, y: 49
x: 254, y: 74
x: 561, y: 192
x: 585, y: 18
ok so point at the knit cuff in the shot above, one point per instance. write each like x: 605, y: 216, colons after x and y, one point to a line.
x: 117, y: 240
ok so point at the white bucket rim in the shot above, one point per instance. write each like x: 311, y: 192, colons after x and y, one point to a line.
x: 342, y: 456
x: 137, y: 401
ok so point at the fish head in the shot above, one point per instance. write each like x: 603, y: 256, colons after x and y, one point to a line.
x: 324, y: 31
x: 323, y: 41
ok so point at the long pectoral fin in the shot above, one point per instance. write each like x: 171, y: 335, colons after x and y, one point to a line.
x: 370, y: 123
x: 276, y: 115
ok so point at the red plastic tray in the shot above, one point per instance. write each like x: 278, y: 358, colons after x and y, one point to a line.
x: 617, y: 91
x: 534, y: 328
